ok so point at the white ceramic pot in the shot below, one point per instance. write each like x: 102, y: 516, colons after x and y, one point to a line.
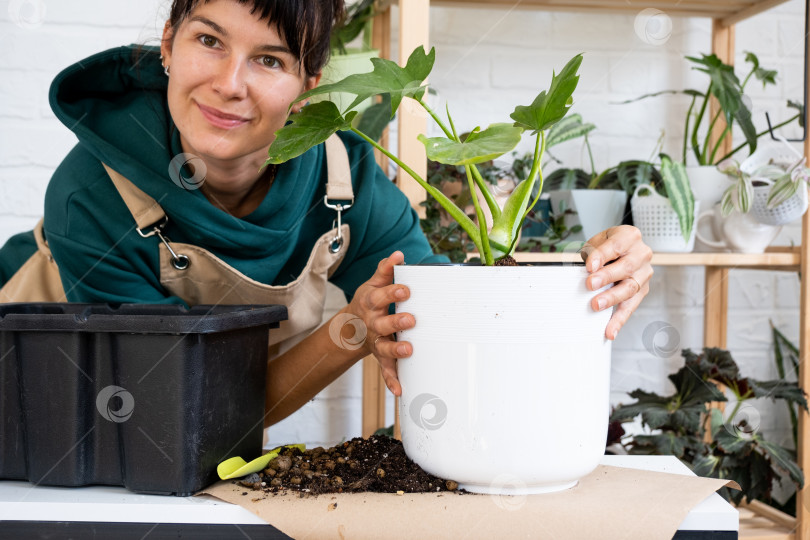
x: 738, y: 232
x: 707, y: 183
x: 507, y: 390
x: 596, y: 209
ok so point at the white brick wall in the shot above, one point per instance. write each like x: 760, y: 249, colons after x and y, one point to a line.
x: 487, y: 61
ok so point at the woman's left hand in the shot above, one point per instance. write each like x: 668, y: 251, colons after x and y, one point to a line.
x: 618, y: 256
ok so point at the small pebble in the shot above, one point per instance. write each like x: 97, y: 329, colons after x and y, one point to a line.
x: 400, y: 492
x: 283, y: 463
x: 250, y: 479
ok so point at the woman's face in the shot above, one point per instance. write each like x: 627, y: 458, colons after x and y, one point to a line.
x: 232, y: 79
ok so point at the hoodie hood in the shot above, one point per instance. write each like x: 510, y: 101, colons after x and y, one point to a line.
x: 115, y: 103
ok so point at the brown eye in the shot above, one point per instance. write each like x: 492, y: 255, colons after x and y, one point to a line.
x: 209, y: 41
x: 270, y: 61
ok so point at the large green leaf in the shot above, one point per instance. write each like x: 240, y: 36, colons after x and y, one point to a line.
x: 665, y: 444
x: 549, y: 107
x: 307, y: 128
x: 779, y: 389
x: 386, y: 78
x: 679, y: 193
x: 654, y: 410
x: 628, y: 175
x: 706, y: 465
x: 782, y: 458
x: 478, y: 147
x: 373, y: 120
x: 767, y: 76
x: 566, y: 129
x: 728, y: 91
x: 566, y: 179
x: 506, y: 225
x: 731, y: 440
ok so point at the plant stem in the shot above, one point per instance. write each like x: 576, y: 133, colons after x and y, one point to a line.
x: 455, y: 212
x: 736, y: 409
x: 698, y: 120
x: 590, y: 155
x: 449, y: 134
x: 743, y: 145
x: 717, y: 145
x: 482, y: 222
x: 745, y: 81
x: 705, y: 151
x: 686, y: 127
x: 539, y: 149
x: 494, y: 209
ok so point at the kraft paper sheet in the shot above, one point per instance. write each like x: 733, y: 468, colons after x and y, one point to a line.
x: 611, y: 502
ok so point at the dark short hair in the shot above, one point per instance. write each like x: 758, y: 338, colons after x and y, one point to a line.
x: 305, y: 25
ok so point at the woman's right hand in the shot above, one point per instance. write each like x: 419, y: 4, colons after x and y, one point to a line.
x: 370, y: 304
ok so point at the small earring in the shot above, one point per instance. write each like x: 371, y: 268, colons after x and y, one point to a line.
x: 166, y: 70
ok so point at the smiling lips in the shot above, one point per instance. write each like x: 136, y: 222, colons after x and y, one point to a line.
x: 220, y: 119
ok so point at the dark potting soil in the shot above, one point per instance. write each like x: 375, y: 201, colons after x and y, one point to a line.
x: 506, y: 261
x: 377, y: 464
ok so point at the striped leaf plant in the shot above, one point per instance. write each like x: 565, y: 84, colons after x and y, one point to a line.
x: 787, y: 178
x: 316, y: 122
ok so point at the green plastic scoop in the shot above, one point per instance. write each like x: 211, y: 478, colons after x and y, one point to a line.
x: 236, y: 467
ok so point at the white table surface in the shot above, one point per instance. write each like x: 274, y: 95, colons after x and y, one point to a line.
x: 22, y: 501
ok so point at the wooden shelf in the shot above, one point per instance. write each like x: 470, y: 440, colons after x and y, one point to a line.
x: 777, y: 259
x: 414, y: 18
x: 727, y: 12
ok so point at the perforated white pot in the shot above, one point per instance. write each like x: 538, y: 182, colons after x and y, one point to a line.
x: 658, y: 222
x: 507, y: 390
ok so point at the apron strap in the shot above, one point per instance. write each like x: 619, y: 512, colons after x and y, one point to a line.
x: 147, y: 211
x: 143, y: 208
x: 339, y: 183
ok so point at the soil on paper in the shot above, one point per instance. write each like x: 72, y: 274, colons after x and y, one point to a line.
x: 377, y: 464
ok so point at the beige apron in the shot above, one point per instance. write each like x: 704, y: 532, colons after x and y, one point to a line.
x: 199, y: 277
x: 37, y: 280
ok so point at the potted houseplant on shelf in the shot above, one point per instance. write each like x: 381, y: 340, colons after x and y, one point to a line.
x: 730, y: 446
x: 580, y: 197
x: 666, y: 213
x: 477, y: 377
x: 445, y: 235
x: 772, y: 183
x: 708, y: 184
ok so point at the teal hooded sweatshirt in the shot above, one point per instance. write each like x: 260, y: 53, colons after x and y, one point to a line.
x: 115, y: 103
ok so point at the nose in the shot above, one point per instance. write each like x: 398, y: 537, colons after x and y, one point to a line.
x: 230, y: 80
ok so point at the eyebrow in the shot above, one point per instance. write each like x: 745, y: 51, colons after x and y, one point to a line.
x: 217, y: 28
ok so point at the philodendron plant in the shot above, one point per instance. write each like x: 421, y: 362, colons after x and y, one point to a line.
x: 316, y: 122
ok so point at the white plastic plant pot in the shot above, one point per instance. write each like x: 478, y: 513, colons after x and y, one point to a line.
x: 790, y: 210
x: 596, y: 209
x: 507, y: 390
x: 658, y: 222
x: 707, y: 183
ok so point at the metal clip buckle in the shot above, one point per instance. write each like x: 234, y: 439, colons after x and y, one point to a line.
x: 337, y: 242
x: 179, y: 261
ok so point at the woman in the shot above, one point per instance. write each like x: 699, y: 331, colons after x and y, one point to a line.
x: 125, y: 224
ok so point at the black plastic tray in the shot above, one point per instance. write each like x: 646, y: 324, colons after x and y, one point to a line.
x: 149, y: 397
